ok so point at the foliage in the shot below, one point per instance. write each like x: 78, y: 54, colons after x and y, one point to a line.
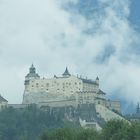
x: 26, y: 124
x: 121, y: 130
x: 113, y: 130
x: 71, y: 134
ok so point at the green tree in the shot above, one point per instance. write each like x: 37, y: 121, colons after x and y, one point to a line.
x: 135, y: 131
x: 87, y: 134
x: 116, y: 130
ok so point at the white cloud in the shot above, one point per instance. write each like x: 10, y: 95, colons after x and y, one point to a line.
x: 44, y: 33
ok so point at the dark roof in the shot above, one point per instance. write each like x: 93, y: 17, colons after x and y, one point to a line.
x: 2, y: 99
x: 32, y: 72
x: 101, y: 92
x: 97, y: 78
x: 99, y: 98
x: 88, y: 81
x: 86, y: 91
x: 66, y: 73
x: 32, y: 75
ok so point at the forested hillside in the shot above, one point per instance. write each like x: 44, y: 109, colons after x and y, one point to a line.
x: 35, y: 124
x: 27, y: 123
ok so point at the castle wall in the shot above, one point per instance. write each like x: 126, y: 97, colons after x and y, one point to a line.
x: 107, y: 114
x: 86, y: 97
x: 3, y: 105
x: 60, y: 103
x: 114, y: 105
x: 59, y: 88
x: 62, y: 86
x: 90, y: 87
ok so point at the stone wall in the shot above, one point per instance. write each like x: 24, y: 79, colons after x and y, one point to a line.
x: 108, y: 114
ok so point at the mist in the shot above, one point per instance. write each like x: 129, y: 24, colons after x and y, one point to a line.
x: 100, y: 41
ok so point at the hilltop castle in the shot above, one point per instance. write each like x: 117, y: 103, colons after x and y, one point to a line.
x: 65, y: 90
x: 78, y: 99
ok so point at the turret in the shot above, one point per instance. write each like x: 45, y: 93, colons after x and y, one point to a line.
x: 32, y: 69
x: 31, y: 75
x: 66, y: 73
x: 138, y: 109
x: 97, y: 80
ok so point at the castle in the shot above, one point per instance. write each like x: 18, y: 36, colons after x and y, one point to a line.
x: 77, y: 98
x: 66, y: 90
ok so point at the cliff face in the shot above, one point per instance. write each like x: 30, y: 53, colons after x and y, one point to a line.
x: 89, y: 113
x: 84, y: 115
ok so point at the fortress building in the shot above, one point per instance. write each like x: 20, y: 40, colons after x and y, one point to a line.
x: 77, y: 99
x: 65, y: 90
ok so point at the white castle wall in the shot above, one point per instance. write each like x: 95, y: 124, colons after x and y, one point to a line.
x: 107, y: 114
x: 62, y: 86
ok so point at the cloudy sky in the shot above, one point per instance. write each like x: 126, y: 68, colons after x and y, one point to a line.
x: 91, y: 37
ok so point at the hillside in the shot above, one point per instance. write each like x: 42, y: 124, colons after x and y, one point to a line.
x: 35, y: 124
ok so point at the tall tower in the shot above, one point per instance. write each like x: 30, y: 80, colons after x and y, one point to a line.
x: 138, y: 109
x: 31, y: 75
x: 66, y: 73
x: 97, y: 80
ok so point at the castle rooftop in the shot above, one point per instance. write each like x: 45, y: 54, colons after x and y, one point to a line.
x: 2, y: 99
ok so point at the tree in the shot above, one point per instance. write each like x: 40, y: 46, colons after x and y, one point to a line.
x: 116, y: 130
x: 87, y: 134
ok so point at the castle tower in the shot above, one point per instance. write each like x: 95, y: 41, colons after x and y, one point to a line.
x: 32, y: 69
x: 66, y: 73
x: 138, y: 109
x: 97, y: 80
x: 31, y: 75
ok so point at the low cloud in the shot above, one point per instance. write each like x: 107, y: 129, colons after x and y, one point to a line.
x: 54, y: 34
